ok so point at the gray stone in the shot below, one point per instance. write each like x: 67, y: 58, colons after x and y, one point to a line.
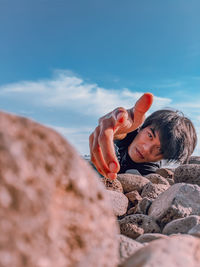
x: 138, y: 224
x: 194, y: 160
x: 170, y: 181
x: 131, y: 182
x: 195, y: 230
x: 119, y: 202
x: 187, y: 173
x: 156, y: 179
x: 152, y: 191
x: 54, y: 211
x: 127, y: 247
x: 178, y: 201
x: 181, y: 225
x: 113, y: 185
x: 144, y: 205
x: 175, y: 251
x: 150, y: 237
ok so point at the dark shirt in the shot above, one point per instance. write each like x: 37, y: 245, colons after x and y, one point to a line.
x: 126, y: 163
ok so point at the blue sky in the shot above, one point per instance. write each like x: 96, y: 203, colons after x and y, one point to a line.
x: 65, y: 63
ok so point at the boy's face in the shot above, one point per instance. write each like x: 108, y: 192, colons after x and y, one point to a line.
x: 146, y: 146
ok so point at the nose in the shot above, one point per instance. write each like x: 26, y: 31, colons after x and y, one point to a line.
x: 146, y: 149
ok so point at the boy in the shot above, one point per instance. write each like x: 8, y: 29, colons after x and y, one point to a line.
x: 165, y: 134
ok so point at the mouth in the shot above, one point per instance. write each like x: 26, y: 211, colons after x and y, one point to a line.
x: 139, y: 154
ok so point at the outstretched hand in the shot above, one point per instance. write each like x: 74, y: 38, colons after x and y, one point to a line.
x: 115, y: 125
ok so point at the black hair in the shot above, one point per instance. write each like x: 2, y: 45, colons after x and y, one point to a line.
x: 177, y: 134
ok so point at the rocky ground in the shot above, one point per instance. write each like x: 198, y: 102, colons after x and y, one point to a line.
x: 158, y: 216
x: 56, y: 211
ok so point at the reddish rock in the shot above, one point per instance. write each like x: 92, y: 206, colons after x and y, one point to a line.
x: 156, y: 179
x: 119, y: 202
x: 134, y: 197
x: 113, y: 185
x: 131, y: 182
x: 165, y: 172
x: 54, y: 211
x: 152, y: 191
x: 138, y: 224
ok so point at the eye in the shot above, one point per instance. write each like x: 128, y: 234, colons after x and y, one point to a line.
x: 150, y: 135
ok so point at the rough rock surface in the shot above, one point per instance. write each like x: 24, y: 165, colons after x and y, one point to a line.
x: 127, y: 247
x: 53, y: 209
x: 176, y: 251
x: 194, y: 160
x: 144, y: 205
x: 166, y: 173
x: 134, y: 197
x: 119, y: 202
x: 170, y: 181
x: 180, y: 200
x: 152, y: 191
x: 113, y: 185
x: 148, y: 237
x: 181, y: 225
x: 138, y: 224
x: 195, y: 230
x: 187, y: 173
x: 156, y: 179
x: 131, y: 182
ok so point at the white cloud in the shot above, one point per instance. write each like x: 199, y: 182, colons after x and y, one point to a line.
x: 67, y: 91
x: 70, y: 91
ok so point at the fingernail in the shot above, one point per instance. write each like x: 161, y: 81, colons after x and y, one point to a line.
x: 113, y: 167
x: 120, y: 117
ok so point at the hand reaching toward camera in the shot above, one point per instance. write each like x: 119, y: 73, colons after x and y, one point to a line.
x: 112, y: 126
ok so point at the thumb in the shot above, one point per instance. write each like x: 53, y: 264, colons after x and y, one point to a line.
x: 142, y: 106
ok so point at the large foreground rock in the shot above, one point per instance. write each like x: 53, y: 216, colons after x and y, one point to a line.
x: 176, y: 251
x: 53, y: 209
x: 180, y: 200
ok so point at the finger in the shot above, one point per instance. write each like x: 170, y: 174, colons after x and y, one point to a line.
x: 112, y: 176
x: 108, y: 150
x: 97, y: 153
x: 120, y: 115
x: 122, y: 121
x: 92, y: 158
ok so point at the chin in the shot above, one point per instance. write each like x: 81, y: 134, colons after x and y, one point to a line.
x: 136, y: 159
